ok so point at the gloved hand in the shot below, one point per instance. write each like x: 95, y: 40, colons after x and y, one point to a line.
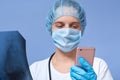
x: 83, y: 72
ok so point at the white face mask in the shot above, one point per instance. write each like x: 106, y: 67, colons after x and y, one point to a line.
x: 66, y: 39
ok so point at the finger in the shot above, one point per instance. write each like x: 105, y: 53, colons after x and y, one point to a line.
x: 78, y: 70
x: 85, y: 64
x: 76, y: 76
x: 91, y: 75
x: 72, y: 78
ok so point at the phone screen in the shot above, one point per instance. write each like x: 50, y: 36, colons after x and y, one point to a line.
x: 87, y: 53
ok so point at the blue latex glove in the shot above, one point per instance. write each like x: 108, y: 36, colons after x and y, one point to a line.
x: 83, y: 72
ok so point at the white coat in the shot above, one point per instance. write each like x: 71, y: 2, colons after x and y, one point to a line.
x: 39, y: 71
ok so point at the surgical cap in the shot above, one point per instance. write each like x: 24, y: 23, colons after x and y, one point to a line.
x: 66, y: 8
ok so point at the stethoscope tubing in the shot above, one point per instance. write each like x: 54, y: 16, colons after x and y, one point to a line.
x: 49, y: 68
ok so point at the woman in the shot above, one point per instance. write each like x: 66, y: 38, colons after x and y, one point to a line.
x: 66, y: 22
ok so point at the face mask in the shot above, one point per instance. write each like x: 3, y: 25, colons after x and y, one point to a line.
x: 66, y: 39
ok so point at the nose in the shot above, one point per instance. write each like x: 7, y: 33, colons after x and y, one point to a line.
x: 67, y: 26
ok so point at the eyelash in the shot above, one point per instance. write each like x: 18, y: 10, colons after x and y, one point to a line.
x: 59, y: 26
x: 74, y: 26
x: 71, y: 26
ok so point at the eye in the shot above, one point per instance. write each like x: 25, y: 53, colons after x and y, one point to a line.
x: 75, y: 26
x: 59, y: 25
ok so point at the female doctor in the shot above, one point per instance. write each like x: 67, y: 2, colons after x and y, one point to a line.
x: 66, y: 22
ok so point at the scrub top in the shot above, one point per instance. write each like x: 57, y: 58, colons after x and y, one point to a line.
x: 39, y: 71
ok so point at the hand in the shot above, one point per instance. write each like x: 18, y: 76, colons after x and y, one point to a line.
x: 83, y: 72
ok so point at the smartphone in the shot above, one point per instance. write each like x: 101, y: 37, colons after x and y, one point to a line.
x: 86, y: 52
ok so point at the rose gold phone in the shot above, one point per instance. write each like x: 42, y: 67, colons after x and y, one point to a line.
x: 87, y: 53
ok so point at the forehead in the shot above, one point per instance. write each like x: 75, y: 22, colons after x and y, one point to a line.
x: 67, y: 19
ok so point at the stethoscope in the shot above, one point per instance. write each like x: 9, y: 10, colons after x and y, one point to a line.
x: 49, y: 68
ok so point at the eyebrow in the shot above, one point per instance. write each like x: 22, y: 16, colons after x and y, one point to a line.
x: 70, y: 23
x: 76, y: 22
x: 58, y: 22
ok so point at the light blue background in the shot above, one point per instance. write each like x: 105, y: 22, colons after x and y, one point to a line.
x: 102, y: 31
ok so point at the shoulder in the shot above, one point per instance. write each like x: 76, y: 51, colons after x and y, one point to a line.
x: 100, y: 66
x: 101, y: 69
x: 99, y: 62
x: 39, y: 66
x: 39, y: 63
